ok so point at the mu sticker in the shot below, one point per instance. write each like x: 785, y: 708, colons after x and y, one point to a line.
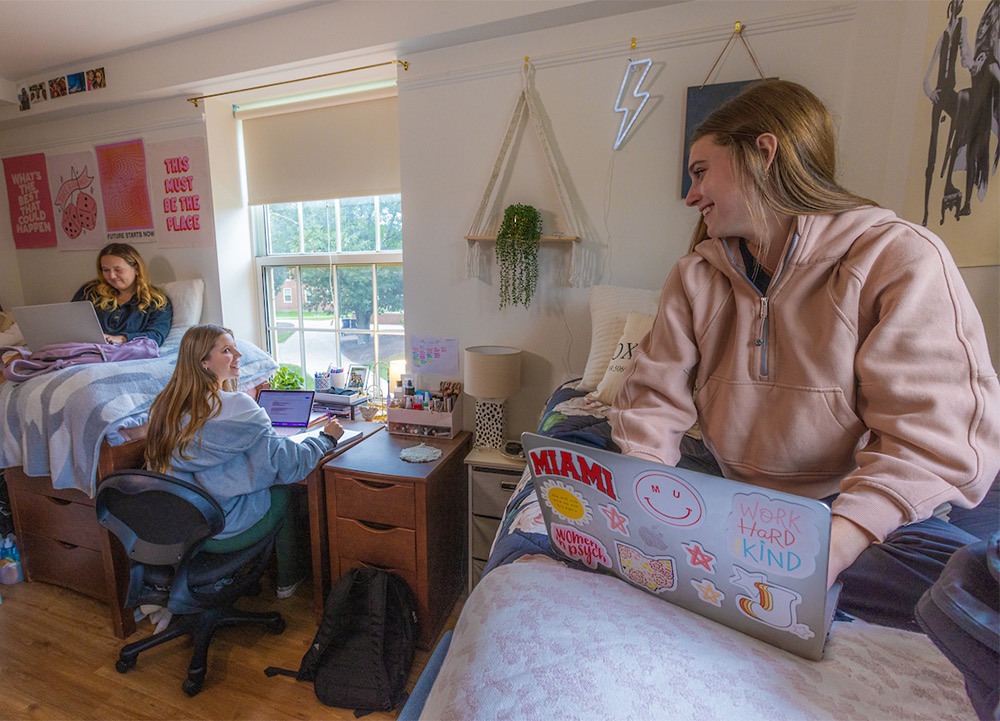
x: 668, y: 499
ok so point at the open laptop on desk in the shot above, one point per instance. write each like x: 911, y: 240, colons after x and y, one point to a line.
x: 747, y: 557
x: 52, y: 323
x: 291, y: 412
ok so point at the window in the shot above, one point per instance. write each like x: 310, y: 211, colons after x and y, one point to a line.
x: 323, y: 187
x: 332, y: 280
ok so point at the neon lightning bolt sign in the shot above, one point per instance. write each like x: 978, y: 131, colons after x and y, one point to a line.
x: 628, y: 119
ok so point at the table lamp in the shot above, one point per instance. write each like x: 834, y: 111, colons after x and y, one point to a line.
x: 492, y: 374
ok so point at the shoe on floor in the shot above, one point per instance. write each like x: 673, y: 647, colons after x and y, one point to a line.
x: 286, y: 591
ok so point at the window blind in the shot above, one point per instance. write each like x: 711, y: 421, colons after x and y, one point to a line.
x: 342, y: 151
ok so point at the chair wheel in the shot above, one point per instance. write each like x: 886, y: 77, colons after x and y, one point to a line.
x: 192, y: 687
x: 277, y: 626
x: 124, y: 665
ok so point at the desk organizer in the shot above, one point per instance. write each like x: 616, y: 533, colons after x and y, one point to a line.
x: 436, y: 424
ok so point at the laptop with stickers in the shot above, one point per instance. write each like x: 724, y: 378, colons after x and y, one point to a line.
x: 291, y: 412
x: 747, y: 557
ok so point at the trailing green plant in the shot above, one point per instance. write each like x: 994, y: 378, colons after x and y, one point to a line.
x: 517, y: 254
x: 288, y: 378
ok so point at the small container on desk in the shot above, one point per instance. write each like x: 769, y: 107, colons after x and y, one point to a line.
x: 434, y: 424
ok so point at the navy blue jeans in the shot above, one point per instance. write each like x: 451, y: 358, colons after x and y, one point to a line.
x: 885, y: 583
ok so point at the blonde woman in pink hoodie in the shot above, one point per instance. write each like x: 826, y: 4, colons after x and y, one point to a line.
x: 825, y: 347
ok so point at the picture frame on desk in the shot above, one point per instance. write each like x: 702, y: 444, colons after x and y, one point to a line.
x: 357, y: 377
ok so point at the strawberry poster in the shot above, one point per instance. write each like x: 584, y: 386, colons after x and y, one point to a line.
x: 77, y: 202
x: 31, y: 218
x: 182, y: 196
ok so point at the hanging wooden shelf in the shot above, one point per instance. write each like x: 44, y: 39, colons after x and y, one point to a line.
x: 543, y: 239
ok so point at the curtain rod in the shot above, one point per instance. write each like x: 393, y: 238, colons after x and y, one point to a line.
x: 404, y: 63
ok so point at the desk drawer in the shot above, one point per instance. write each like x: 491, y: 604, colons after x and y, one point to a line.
x: 66, y: 565
x: 346, y: 564
x: 383, y: 546
x: 391, y: 504
x: 491, y: 490
x: 61, y: 520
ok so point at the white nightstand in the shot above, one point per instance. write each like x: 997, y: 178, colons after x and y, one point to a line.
x: 492, y: 478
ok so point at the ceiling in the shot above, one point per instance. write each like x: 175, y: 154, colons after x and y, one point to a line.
x: 44, y: 35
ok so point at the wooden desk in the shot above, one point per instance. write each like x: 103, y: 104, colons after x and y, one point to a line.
x: 320, y: 549
x: 408, y: 518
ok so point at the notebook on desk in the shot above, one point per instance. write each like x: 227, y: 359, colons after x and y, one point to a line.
x: 51, y: 323
x: 750, y: 558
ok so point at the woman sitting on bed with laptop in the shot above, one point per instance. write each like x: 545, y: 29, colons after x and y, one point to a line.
x: 201, y: 430
x: 826, y: 348
x: 126, y: 304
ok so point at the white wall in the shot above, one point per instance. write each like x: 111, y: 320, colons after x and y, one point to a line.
x: 455, y: 103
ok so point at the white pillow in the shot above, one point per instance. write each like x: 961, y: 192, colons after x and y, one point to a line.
x: 609, y: 309
x: 186, y: 297
x: 637, y: 325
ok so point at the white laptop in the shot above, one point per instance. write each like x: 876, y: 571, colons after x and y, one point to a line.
x: 52, y: 323
x: 747, y: 557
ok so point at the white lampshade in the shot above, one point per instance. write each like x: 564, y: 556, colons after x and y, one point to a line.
x: 492, y: 372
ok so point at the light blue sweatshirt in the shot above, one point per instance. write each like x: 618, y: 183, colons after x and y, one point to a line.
x: 237, y: 458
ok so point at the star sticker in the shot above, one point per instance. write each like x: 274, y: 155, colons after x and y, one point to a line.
x: 708, y: 593
x: 616, y: 520
x: 697, y: 556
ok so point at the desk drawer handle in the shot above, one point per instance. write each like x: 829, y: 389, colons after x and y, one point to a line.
x: 377, y: 526
x: 507, y: 486
x: 373, y: 484
x: 68, y: 546
x: 377, y: 566
x: 58, y: 501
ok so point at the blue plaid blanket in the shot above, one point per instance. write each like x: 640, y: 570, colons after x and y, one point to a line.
x: 53, y: 425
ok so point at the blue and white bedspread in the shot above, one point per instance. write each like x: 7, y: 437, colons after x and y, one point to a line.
x: 53, y: 425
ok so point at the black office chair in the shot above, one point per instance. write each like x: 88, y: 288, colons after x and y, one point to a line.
x: 163, y: 523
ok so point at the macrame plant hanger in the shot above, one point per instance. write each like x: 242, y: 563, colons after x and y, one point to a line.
x: 526, y: 103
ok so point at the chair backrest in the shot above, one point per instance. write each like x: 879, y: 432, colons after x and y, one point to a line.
x: 157, y: 518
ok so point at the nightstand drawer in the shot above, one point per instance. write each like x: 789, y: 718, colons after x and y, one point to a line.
x: 63, y: 564
x: 491, y: 490
x: 61, y: 520
x: 381, y: 546
x: 484, y: 530
x: 375, y: 501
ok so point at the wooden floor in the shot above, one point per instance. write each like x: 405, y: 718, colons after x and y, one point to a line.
x: 57, y: 662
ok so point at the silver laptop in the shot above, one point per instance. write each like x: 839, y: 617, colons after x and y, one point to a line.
x: 52, y: 323
x: 291, y: 412
x: 747, y: 557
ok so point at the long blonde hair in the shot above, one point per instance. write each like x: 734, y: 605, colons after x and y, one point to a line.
x: 105, y: 297
x: 801, y: 180
x: 189, y: 400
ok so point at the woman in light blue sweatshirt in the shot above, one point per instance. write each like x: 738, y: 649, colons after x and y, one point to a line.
x: 203, y: 431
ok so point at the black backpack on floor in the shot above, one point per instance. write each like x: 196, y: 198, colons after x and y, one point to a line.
x: 362, y: 654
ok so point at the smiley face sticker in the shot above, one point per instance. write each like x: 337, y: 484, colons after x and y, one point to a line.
x: 669, y: 500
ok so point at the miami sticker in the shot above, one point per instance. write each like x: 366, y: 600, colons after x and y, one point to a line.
x: 575, y: 466
x: 567, y: 503
x: 668, y: 499
x: 655, y: 573
x: 768, y: 603
x: 773, y: 535
x: 579, y: 546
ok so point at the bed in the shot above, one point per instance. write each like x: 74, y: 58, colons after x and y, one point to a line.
x: 63, y: 431
x: 541, y: 638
